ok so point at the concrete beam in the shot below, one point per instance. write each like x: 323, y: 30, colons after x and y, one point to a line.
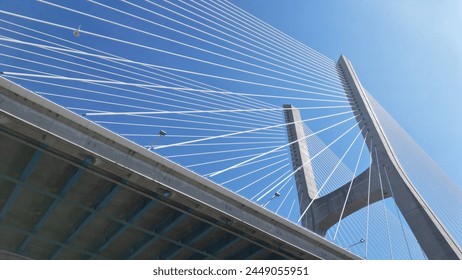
x: 328, y: 209
x: 325, y: 211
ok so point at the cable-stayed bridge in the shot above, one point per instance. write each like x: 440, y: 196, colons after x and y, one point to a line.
x: 170, y: 136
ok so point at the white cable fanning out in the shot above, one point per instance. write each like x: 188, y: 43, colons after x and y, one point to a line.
x: 248, y: 164
x: 132, y: 106
x: 284, y: 200
x: 268, y: 31
x: 252, y: 130
x: 96, y: 113
x: 271, y: 187
x: 333, y: 170
x: 188, y: 112
x: 113, y: 82
x: 181, y: 55
x: 383, y: 201
x: 393, y: 227
x: 231, y: 159
x: 126, y: 66
x: 276, y: 149
x: 205, y: 120
x: 252, y: 121
x: 267, y: 174
x: 258, y: 33
x: 175, y: 69
x: 198, y: 136
x: 137, y: 124
x: 399, y: 215
x: 291, y: 208
x: 334, y: 181
x: 350, y: 186
x: 266, y: 28
x: 76, y: 64
x: 92, y: 61
x: 79, y: 72
x: 176, y: 127
x: 271, y: 57
x: 322, y: 163
x: 224, y: 93
x: 217, y: 45
x: 140, y: 124
x: 170, y: 135
x: 275, y: 35
x: 266, y: 159
x: 368, y: 200
x: 248, y: 40
x: 8, y: 73
x: 154, y: 86
x: 233, y: 143
x: 219, y: 152
x: 234, y: 20
x: 220, y: 161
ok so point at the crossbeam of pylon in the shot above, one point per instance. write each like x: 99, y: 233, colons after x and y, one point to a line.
x: 326, y: 211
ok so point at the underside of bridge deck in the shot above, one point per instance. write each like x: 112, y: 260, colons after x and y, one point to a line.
x: 92, y: 197
x: 58, y: 207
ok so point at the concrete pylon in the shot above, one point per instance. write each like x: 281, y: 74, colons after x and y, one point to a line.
x: 325, y: 211
x: 304, y: 177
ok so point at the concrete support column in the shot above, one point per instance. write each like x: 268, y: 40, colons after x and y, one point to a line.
x: 301, y: 163
x: 325, y: 211
x: 433, y: 238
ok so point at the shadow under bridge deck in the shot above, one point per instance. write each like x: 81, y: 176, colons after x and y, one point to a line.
x: 70, y: 189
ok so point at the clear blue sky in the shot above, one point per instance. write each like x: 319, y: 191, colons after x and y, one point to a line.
x: 408, y: 55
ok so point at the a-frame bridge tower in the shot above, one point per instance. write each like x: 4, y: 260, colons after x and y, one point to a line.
x: 321, y: 213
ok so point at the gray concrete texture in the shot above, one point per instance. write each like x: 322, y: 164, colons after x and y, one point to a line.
x: 325, y: 211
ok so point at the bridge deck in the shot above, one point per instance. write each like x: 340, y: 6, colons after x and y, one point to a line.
x: 70, y: 189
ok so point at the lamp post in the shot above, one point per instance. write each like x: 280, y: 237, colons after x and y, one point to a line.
x: 276, y: 194
x: 162, y: 133
x: 362, y: 240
